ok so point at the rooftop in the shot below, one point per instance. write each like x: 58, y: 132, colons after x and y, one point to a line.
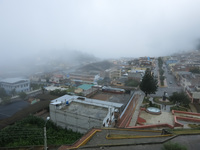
x: 52, y: 88
x: 85, y: 86
x: 13, y: 80
x: 86, y: 109
x: 85, y: 100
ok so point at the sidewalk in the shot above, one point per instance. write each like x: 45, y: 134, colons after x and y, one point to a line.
x: 137, y: 111
x: 192, y: 107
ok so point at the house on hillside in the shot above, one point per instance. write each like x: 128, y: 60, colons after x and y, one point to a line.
x: 114, y: 73
x: 56, y: 78
x: 84, y: 78
x: 85, y: 89
x: 15, y: 85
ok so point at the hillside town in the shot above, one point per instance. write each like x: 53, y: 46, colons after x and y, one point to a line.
x: 99, y: 75
x: 107, y: 97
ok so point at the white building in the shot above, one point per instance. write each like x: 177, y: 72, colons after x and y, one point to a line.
x: 80, y: 113
x: 15, y: 84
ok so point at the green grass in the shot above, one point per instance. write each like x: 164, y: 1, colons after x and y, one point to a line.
x: 145, y: 100
x: 194, y: 126
x: 178, y: 108
x: 173, y: 146
x: 185, y: 131
x: 156, y: 100
x: 151, y: 105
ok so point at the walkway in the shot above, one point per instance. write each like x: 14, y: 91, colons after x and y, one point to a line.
x: 82, y: 141
x: 137, y: 111
x: 127, y: 113
x: 163, y: 118
x: 193, y: 108
x: 197, y: 106
x: 132, y: 111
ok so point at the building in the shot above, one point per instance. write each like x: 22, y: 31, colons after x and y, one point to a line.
x: 136, y: 74
x: 112, y: 90
x: 52, y: 88
x: 15, y: 85
x: 171, y: 61
x: 85, y: 89
x: 84, y: 78
x: 146, y: 61
x: 114, y: 73
x: 81, y: 113
x: 56, y: 79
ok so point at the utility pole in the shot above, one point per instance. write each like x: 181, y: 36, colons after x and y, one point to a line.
x: 45, y: 134
x: 45, y: 138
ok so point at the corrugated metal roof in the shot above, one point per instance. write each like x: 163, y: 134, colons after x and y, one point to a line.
x: 85, y: 86
x: 13, y: 80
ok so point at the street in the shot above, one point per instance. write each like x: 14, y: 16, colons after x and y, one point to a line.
x: 170, y: 83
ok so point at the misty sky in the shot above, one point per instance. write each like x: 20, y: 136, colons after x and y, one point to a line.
x: 103, y: 28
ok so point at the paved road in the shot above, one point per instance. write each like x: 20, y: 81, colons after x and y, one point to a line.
x: 171, y: 84
x: 9, y: 109
x: 98, y: 141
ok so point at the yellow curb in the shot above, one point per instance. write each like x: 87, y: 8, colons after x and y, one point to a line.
x: 86, y: 140
x: 159, y: 131
x: 124, y: 136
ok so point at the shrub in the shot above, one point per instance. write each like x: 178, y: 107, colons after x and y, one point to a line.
x: 22, y: 95
x: 150, y: 103
x: 146, y: 100
x: 178, y: 108
x: 181, y: 98
x: 194, y: 126
x: 29, y: 131
x: 157, y: 100
x: 173, y: 146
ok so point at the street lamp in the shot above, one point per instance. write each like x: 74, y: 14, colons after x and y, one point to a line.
x: 45, y: 134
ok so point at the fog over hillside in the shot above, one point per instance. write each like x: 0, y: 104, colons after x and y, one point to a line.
x: 33, y: 33
x: 44, y: 61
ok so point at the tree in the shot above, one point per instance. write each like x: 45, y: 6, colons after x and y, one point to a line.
x: 2, y: 93
x: 181, y: 98
x: 161, y: 71
x: 43, y: 89
x: 160, y: 62
x: 13, y: 92
x: 58, y: 92
x: 22, y: 95
x: 149, y: 83
x: 6, y: 100
x: 195, y: 70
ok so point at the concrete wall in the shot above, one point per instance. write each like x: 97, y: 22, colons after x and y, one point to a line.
x: 76, y: 122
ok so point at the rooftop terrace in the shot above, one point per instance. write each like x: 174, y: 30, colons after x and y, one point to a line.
x: 86, y: 109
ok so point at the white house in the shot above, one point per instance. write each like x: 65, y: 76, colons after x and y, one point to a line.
x: 15, y: 84
x: 81, y: 113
